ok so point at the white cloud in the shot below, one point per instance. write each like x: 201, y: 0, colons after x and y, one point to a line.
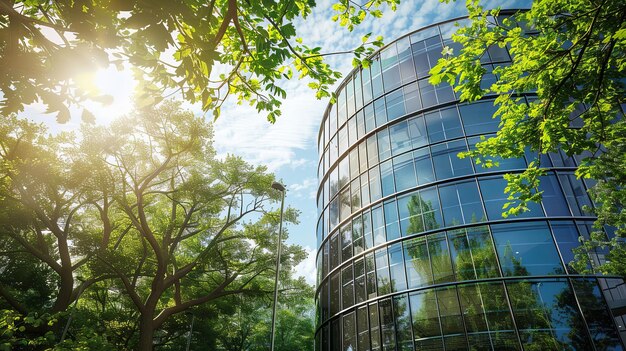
x: 242, y: 131
x: 305, y: 189
x: 307, y: 267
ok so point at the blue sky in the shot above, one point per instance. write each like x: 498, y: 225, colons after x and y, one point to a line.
x: 288, y: 147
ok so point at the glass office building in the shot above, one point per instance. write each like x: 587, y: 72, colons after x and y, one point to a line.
x: 414, y: 253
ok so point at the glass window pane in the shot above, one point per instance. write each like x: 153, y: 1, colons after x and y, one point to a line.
x: 474, y: 313
x: 412, y: 101
x: 378, y: 225
x: 440, y: 258
x: 402, y: 314
x: 567, y: 239
x: 352, y: 133
x: 375, y: 327
x: 360, y: 125
x: 502, y: 164
x: 380, y: 112
x: 575, y: 194
x: 343, y: 140
x: 367, y: 230
x: 526, y: 249
x: 424, y: 314
x: 404, y: 172
x: 349, y: 332
x: 547, y: 315
x: 359, y: 281
x: 396, y: 268
x: 450, y: 205
x: 365, y: 190
x: 410, y: 209
x: 418, y: 269
x: 498, y: 314
x: 498, y: 54
x: 461, y: 255
x: 346, y: 242
x: 447, y: 162
x: 386, y: 177
x: 347, y: 291
x: 358, y: 90
x: 395, y: 104
x: 334, y: 251
x: 384, y: 149
x: 391, y: 219
x: 383, y: 279
x: 354, y: 163
x: 370, y: 275
x: 325, y: 258
x: 478, y: 118
x: 335, y: 293
x: 399, y: 136
x: 375, y: 190
x: 596, y: 315
x: 377, y: 81
x: 344, y: 199
x: 483, y: 253
x: 430, y: 209
x: 333, y: 179
x: 355, y: 195
x: 372, y: 151
x: 495, y: 198
x: 357, y: 235
x: 344, y: 172
x: 552, y: 197
x: 333, y: 213
x: 427, y: 91
x: 423, y: 166
x: 367, y: 85
x: 443, y: 125
x: 444, y: 92
x: 451, y: 320
x: 370, y: 120
x: 387, y: 324
x: 417, y: 132
x: 363, y: 338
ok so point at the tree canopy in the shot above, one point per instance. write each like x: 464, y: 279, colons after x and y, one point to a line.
x: 174, y: 47
x: 569, y: 59
x: 141, y: 211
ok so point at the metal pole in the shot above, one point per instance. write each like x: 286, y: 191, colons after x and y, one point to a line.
x: 280, y: 239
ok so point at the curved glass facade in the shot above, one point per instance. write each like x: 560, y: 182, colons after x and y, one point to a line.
x: 413, y: 252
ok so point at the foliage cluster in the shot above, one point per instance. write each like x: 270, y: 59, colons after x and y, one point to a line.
x: 569, y: 60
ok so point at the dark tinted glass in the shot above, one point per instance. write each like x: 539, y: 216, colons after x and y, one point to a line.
x: 547, y: 315
x: 402, y: 314
x: 596, y: 315
x: 349, y: 332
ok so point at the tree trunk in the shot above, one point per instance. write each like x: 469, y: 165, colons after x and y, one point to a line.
x: 66, y: 288
x: 146, y: 331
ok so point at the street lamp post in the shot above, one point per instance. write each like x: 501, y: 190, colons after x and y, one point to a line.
x: 280, y: 188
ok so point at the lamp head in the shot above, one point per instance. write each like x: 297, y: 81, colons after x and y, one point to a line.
x: 278, y: 186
